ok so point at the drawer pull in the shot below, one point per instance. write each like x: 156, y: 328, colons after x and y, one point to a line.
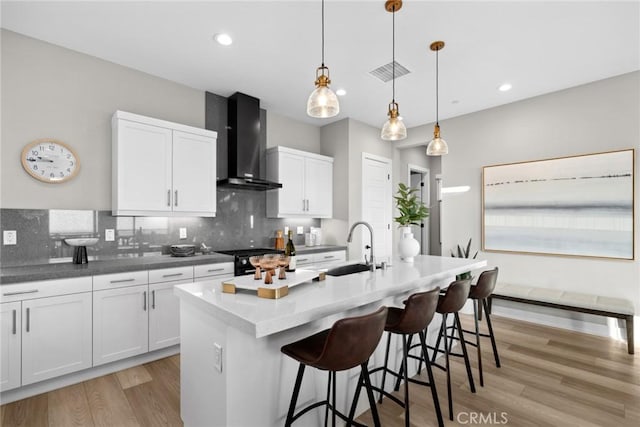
x: 329, y: 256
x: 28, y: 319
x: 14, y: 322
x: 32, y: 291
x: 303, y: 259
x: 122, y: 281
x: 144, y: 301
x: 172, y: 275
x: 213, y: 270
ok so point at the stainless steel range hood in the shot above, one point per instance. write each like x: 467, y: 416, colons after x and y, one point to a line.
x: 244, y: 149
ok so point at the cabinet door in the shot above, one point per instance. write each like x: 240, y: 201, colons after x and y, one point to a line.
x: 120, y: 323
x: 318, y: 178
x: 142, y: 168
x: 10, y: 334
x: 164, y: 315
x: 56, y: 336
x: 291, y: 173
x: 194, y: 174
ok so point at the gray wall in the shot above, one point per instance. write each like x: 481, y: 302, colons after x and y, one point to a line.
x: 53, y: 92
x: 596, y: 117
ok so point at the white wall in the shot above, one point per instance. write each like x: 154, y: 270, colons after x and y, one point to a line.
x: 52, y: 92
x: 595, y: 117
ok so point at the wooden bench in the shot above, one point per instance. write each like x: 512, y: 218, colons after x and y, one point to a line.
x: 573, y: 301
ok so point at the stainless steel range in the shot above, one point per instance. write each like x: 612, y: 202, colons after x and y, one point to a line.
x: 241, y: 264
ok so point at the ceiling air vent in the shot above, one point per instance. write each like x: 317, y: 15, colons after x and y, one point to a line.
x: 385, y: 72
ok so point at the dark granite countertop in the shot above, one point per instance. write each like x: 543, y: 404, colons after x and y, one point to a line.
x: 317, y: 249
x: 63, y: 270
x: 29, y: 273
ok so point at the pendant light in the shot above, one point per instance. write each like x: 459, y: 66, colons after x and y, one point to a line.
x: 394, y: 128
x: 437, y: 146
x: 322, y: 102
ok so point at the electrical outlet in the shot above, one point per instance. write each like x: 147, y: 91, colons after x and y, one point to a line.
x: 183, y: 232
x: 286, y: 230
x: 9, y: 237
x: 217, y: 357
x: 300, y: 230
x: 109, y: 235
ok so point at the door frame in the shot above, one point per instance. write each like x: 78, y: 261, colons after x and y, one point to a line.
x: 425, y: 194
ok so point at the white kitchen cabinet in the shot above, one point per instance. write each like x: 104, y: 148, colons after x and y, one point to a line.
x: 307, y: 184
x: 56, y: 336
x: 120, y: 323
x: 321, y: 259
x: 10, y: 345
x: 162, y: 168
x: 164, y: 306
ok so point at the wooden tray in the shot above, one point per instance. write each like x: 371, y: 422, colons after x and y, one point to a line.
x: 278, y: 289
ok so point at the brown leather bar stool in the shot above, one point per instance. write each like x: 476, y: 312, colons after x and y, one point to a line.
x: 451, y: 302
x: 479, y: 294
x: 349, y: 343
x: 413, y: 319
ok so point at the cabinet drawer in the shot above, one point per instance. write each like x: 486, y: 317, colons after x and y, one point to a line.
x: 207, y: 270
x: 119, y: 280
x: 304, y: 259
x: 329, y: 257
x: 45, y: 288
x: 170, y: 274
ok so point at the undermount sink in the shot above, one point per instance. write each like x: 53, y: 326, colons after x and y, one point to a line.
x: 347, y: 269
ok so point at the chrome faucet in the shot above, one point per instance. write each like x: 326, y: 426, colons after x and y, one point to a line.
x: 370, y: 262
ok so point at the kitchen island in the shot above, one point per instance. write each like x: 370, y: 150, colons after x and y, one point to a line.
x: 232, y: 371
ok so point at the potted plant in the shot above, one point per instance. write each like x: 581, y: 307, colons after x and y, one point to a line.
x: 464, y: 254
x: 412, y: 212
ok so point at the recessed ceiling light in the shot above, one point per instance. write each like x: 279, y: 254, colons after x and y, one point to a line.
x: 505, y: 87
x: 341, y: 92
x: 223, y: 39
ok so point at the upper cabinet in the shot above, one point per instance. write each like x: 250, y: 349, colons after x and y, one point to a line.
x: 162, y: 168
x: 307, y: 184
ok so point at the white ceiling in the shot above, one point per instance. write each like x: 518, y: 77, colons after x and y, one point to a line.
x: 539, y: 47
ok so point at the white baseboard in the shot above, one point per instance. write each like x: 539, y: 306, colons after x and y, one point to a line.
x: 87, y: 374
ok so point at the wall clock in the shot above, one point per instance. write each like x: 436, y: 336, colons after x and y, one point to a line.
x: 50, y: 160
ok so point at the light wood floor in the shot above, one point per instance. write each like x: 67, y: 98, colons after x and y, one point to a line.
x: 549, y: 377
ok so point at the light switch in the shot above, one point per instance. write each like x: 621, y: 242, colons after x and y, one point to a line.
x: 109, y: 235
x: 10, y: 237
x: 300, y: 230
x: 183, y: 232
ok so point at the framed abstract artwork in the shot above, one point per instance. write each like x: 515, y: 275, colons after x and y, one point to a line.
x: 575, y: 206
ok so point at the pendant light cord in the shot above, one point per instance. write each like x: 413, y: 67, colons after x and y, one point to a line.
x: 393, y: 54
x: 437, y: 85
x: 323, y: 34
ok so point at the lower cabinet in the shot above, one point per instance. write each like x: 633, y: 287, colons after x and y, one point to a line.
x: 164, y: 315
x: 10, y: 344
x: 56, y: 336
x: 120, y: 323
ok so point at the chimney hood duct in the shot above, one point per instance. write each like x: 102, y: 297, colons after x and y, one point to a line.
x: 244, y: 148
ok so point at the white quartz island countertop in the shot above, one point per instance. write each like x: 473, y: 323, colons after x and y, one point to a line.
x: 318, y: 299
x: 232, y: 372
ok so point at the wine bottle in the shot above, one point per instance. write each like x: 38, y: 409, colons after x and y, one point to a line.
x: 290, y: 251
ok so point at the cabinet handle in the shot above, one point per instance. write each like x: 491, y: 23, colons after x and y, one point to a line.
x: 144, y: 300
x: 28, y: 319
x: 303, y: 259
x: 176, y: 198
x: 8, y: 294
x: 14, y: 322
x: 307, y: 205
x: 211, y: 270
x: 172, y: 275
x: 122, y: 281
x: 153, y: 299
x: 329, y: 257
x: 304, y: 205
x: 168, y: 197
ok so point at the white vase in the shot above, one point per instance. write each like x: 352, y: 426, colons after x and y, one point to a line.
x: 408, y: 247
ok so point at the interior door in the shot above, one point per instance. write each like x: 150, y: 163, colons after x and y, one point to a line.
x: 194, y: 173
x: 377, y: 203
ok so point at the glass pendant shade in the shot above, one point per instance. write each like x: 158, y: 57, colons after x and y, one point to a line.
x: 394, y: 128
x: 437, y: 146
x: 323, y: 102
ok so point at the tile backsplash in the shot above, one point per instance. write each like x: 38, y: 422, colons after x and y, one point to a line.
x: 241, y: 222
